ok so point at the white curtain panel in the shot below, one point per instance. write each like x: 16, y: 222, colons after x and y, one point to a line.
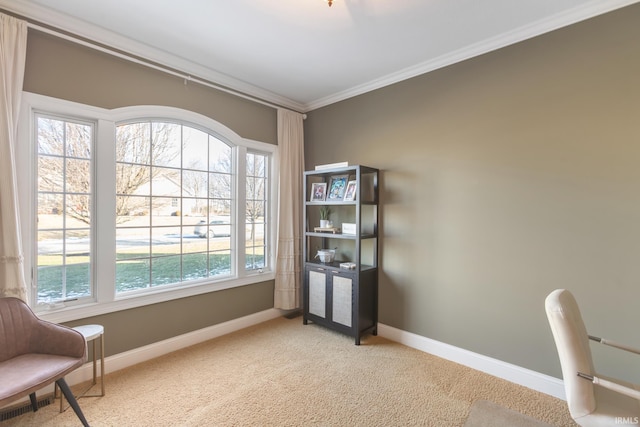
x: 13, y: 50
x: 291, y: 162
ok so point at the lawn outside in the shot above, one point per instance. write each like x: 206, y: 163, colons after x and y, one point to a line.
x: 171, y: 255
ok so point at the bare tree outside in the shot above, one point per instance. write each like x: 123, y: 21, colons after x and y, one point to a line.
x: 63, y: 208
x: 219, y: 193
x: 206, y: 174
x: 169, y: 179
x: 140, y: 147
x: 256, y: 181
x: 195, y: 149
x: 64, y: 165
x: 194, y: 184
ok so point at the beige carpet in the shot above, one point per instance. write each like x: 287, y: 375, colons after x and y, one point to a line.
x: 282, y: 373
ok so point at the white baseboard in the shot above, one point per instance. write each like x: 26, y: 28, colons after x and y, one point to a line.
x: 160, y: 348
x: 513, y: 373
x: 507, y: 371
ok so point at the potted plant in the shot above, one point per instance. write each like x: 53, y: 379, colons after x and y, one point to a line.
x: 325, y: 211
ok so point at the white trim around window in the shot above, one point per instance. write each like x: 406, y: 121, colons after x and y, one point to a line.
x: 103, y: 250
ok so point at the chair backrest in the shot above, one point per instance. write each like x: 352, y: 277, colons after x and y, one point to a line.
x: 572, y: 343
x: 17, y: 323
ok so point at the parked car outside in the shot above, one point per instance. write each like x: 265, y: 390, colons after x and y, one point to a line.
x: 216, y: 228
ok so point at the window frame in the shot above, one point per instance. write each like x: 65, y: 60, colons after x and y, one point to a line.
x: 103, y: 254
x: 36, y: 192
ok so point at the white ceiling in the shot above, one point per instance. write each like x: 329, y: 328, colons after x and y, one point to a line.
x: 302, y: 54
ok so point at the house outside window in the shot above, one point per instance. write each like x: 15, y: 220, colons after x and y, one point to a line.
x: 173, y: 187
x: 139, y: 205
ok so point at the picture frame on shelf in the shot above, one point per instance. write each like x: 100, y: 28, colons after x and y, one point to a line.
x: 350, y: 192
x: 337, y: 187
x: 318, y: 192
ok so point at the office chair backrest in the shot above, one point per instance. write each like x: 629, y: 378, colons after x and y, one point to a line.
x: 572, y: 343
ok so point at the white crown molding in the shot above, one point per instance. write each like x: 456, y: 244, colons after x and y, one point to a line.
x: 108, y: 38
x: 112, y: 40
x: 577, y: 14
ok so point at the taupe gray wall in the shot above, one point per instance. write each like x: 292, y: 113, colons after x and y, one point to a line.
x: 65, y: 70
x: 504, y: 177
x: 68, y: 71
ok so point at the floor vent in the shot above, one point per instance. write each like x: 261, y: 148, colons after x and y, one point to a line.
x: 24, y: 408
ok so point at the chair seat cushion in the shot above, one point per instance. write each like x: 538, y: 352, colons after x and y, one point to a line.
x: 24, y: 374
x: 611, y: 406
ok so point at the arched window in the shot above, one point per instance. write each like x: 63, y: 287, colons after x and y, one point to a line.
x: 142, y: 204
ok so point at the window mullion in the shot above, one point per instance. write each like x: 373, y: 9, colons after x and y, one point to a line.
x: 241, y: 206
x: 105, y: 211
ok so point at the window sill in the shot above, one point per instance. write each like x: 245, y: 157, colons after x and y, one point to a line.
x: 75, y: 312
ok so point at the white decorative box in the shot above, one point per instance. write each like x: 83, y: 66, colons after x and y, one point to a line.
x: 348, y: 228
x: 348, y: 265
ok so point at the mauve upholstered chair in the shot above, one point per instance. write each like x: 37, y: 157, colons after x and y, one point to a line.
x: 35, y: 353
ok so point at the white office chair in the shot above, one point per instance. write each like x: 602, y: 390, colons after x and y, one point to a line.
x: 593, y: 400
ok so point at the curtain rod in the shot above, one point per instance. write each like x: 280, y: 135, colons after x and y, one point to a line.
x: 187, y: 78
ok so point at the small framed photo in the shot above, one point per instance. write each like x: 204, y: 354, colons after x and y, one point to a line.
x: 337, y: 187
x: 318, y: 192
x: 350, y: 192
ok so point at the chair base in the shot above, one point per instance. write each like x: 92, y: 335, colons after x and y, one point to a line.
x: 34, y: 401
x: 68, y: 394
